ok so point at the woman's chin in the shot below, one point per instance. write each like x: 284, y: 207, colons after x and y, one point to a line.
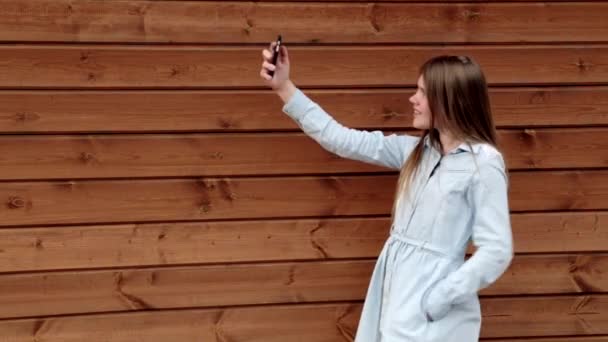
x: 419, y: 125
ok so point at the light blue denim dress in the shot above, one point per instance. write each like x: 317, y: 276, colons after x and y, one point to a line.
x: 422, y: 290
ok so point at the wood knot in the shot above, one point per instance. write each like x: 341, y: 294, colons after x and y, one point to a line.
x: 20, y: 117
x: 528, y: 136
x: 153, y: 279
x: 225, y: 123
x: 87, y: 157
x: 582, y: 65
x: 15, y: 202
x: 141, y: 10
x: 24, y: 116
x: 205, y: 208
x: 372, y: 16
x: 538, y: 97
x: 388, y: 113
x: 472, y: 14
x: 530, y: 162
x: 207, y: 184
x: 217, y: 155
x: 291, y: 276
x: 226, y: 190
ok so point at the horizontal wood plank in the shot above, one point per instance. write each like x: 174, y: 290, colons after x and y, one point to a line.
x: 502, y: 317
x: 211, y: 286
x: 323, y: 323
x: 53, y: 248
x: 418, y: 1
x: 560, y: 232
x: 556, y: 339
x: 168, y: 155
x: 553, y: 274
x: 255, y: 22
x: 545, y: 316
x: 193, y: 199
x: 539, y: 148
x: 569, y: 190
x: 92, y: 66
x: 187, y: 243
x: 43, y: 294
x: 36, y: 203
x: 167, y: 111
x: 100, y: 156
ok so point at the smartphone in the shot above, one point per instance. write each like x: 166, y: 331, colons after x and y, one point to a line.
x: 275, y: 54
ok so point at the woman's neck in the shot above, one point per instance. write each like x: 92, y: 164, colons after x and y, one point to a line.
x: 448, y: 142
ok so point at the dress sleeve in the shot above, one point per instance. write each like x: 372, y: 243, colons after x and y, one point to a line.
x: 370, y: 147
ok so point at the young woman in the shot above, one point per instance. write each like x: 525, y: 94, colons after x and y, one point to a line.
x: 452, y: 188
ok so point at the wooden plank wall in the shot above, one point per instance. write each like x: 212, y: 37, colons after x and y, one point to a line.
x: 153, y: 191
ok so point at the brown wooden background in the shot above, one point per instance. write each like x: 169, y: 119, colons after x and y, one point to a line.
x: 153, y: 191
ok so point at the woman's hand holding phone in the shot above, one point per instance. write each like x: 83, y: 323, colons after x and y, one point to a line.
x: 276, y: 75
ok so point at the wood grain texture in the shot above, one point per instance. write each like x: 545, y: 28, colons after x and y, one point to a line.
x: 545, y: 316
x: 255, y: 22
x: 567, y: 232
x: 193, y: 199
x: 43, y: 294
x: 567, y: 190
x: 553, y: 274
x: 325, y: 323
x: 133, y: 245
x: 114, y: 156
x: 400, y: 1
x: 82, y: 247
x: 211, y: 286
x: 236, y: 111
x: 98, y: 66
x: 556, y: 339
x: 36, y: 203
x: 504, y: 317
x: 149, y: 189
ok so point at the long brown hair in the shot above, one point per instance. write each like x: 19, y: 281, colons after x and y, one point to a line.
x: 458, y: 98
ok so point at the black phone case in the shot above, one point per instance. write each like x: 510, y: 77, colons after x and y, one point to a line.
x: 275, y: 54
